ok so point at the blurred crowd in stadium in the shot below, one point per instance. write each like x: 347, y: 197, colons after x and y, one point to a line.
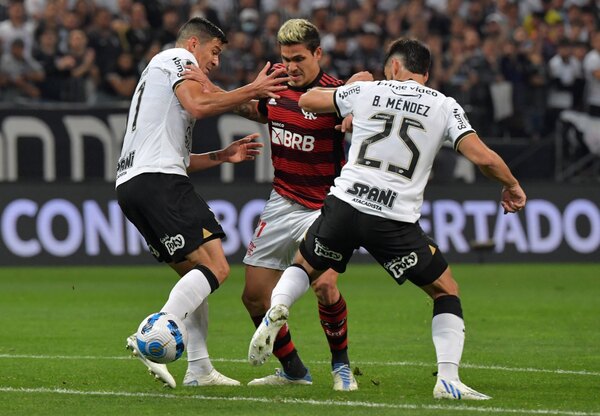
x: 514, y: 65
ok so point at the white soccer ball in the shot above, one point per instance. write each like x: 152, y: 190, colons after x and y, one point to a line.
x: 162, y: 337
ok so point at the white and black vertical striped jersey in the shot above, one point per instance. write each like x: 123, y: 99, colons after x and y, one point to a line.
x: 398, y: 128
x: 159, y: 129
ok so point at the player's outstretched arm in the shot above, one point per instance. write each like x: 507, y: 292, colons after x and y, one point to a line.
x: 360, y: 76
x: 239, y: 151
x: 193, y: 73
x: 247, y: 110
x: 318, y: 100
x: 494, y: 167
x: 200, y: 102
x: 250, y: 111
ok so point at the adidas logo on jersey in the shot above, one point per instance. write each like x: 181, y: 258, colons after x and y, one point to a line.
x: 272, y: 101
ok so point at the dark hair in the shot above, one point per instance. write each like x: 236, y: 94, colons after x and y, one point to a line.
x: 202, y: 28
x: 299, y: 31
x: 414, y: 55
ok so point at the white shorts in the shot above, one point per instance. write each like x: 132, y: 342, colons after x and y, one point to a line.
x: 280, y: 230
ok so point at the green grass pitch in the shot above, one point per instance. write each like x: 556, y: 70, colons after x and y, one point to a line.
x: 533, y: 343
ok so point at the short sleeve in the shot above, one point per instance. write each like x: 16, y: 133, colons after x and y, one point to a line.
x: 458, y: 125
x: 174, y: 65
x: 345, y: 98
x: 262, y: 107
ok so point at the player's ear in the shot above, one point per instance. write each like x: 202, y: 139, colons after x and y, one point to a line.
x: 192, y: 42
x: 318, y: 52
x: 396, y: 67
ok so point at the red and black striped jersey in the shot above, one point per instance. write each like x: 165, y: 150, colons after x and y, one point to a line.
x: 306, y: 150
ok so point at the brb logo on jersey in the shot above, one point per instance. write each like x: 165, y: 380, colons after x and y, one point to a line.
x: 286, y: 138
x: 173, y: 243
x: 398, y: 266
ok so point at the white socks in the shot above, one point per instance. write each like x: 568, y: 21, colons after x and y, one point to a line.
x: 292, y: 285
x: 448, y: 331
x: 187, y: 294
x: 197, y: 351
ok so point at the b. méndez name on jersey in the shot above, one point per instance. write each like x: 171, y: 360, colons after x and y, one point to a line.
x: 398, y: 128
x: 159, y: 129
x: 306, y: 150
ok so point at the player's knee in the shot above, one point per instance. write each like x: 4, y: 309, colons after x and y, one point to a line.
x: 255, y: 303
x: 251, y: 296
x: 445, y: 285
x: 220, y: 270
x: 326, y: 291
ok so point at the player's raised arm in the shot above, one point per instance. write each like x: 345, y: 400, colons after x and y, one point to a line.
x: 247, y: 110
x: 200, y: 103
x: 494, y: 167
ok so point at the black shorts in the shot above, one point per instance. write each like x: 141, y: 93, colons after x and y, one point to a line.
x: 402, y: 248
x: 173, y: 219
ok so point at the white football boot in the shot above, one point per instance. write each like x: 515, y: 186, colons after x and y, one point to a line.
x: 261, y: 345
x: 214, y: 378
x: 456, y: 390
x: 158, y: 371
x: 343, y: 379
x: 280, y: 378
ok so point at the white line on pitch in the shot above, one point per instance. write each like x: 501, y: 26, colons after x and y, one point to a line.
x: 379, y: 363
x: 406, y: 406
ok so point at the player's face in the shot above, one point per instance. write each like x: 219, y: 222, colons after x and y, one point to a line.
x: 207, y: 54
x: 301, y: 64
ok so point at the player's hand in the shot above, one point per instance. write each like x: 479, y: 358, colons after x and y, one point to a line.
x: 242, y: 149
x: 194, y: 73
x: 346, y: 126
x: 513, y: 198
x: 360, y: 76
x: 268, y: 85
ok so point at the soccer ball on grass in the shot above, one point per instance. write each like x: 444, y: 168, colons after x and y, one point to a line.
x: 161, y: 337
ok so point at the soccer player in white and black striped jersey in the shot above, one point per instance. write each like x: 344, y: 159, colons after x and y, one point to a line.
x: 398, y: 127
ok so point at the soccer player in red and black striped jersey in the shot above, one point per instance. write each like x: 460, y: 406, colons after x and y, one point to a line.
x: 307, y: 154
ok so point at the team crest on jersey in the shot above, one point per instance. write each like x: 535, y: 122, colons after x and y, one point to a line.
x: 322, y: 250
x: 173, y: 243
x: 398, y: 266
x: 308, y: 115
